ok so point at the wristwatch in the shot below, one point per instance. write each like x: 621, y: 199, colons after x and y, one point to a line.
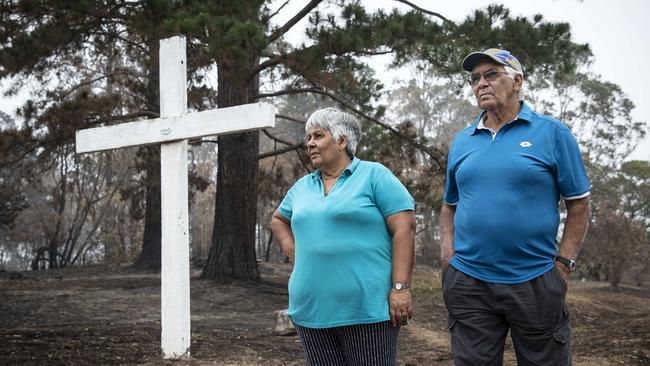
x: 570, y: 263
x: 398, y: 286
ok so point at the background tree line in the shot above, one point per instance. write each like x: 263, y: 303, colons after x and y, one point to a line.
x: 91, y: 63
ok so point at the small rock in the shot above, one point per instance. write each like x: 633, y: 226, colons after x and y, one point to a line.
x: 283, y: 325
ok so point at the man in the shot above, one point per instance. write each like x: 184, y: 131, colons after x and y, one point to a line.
x: 502, y: 267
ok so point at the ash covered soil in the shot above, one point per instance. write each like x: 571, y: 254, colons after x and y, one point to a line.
x: 103, y: 315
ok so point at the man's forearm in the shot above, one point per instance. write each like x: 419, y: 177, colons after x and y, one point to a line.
x: 447, y: 213
x: 575, y: 227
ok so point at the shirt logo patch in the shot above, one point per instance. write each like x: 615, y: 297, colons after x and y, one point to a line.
x: 525, y: 144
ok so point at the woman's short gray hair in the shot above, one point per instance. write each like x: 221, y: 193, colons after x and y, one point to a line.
x: 339, y: 124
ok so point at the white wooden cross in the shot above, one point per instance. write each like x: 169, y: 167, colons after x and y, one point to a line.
x: 172, y: 130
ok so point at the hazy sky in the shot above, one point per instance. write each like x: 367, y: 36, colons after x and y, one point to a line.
x: 617, y: 32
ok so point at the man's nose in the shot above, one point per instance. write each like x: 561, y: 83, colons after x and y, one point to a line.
x: 482, y: 82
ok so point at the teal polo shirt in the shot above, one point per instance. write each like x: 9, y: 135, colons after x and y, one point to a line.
x: 343, y: 253
x: 506, y: 189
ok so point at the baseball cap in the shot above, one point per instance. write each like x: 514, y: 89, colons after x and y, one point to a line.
x: 503, y: 57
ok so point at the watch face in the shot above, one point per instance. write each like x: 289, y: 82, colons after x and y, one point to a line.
x: 398, y: 286
x: 570, y: 263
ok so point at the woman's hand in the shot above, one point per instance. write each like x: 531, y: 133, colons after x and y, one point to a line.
x: 401, y: 307
x: 402, y: 228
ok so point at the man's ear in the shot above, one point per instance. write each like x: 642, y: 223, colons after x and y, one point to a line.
x: 519, y: 82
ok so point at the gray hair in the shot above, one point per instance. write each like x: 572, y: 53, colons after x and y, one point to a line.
x: 511, y: 74
x: 339, y: 124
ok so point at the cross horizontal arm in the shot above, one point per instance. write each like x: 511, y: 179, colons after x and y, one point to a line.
x: 192, y: 125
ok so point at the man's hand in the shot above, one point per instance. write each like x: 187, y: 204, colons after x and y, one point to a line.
x: 564, y: 272
x: 445, y: 264
x: 401, y: 308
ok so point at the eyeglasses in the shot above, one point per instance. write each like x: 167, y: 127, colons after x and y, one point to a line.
x: 490, y: 75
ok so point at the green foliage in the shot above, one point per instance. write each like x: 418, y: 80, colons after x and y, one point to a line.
x: 331, y: 57
x: 15, y: 163
x: 616, y: 245
x: 12, y: 198
x: 599, y: 113
x: 619, y: 235
x: 362, y: 33
x: 633, y: 184
x: 225, y: 29
x: 544, y: 48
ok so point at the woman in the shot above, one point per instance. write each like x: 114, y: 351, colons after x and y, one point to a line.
x: 349, y: 229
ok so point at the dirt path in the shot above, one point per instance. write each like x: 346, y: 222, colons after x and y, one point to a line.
x: 110, y: 316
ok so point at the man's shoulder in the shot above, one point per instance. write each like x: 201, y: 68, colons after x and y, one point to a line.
x: 547, y: 121
x: 466, y: 131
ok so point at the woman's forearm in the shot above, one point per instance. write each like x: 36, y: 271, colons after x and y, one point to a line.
x: 283, y: 234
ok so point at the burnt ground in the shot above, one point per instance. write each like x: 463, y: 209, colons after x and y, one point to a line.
x: 103, y: 315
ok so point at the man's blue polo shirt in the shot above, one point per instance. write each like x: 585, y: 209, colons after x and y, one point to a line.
x: 506, y: 189
x: 343, y: 253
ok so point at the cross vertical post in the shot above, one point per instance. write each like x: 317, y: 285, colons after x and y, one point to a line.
x: 175, y: 271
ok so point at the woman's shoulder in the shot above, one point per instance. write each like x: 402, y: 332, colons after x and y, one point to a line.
x: 373, y: 168
x: 369, y: 165
x: 305, y: 179
x: 301, y: 182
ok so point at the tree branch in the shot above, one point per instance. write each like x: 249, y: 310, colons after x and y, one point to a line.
x: 292, y: 119
x: 286, y: 92
x: 91, y: 81
x: 422, y: 10
x: 18, y: 157
x: 278, y: 139
x: 280, y: 151
x: 275, y: 59
x: 279, y: 9
x: 80, y: 85
x: 38, y: 143
x: 435, y: 156
x: 304, y: 165
x: 296, y: 18
x: 268, y: 63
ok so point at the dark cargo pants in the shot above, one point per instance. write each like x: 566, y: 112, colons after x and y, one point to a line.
x: 481, y: 313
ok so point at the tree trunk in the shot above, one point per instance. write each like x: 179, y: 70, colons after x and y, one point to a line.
x: 232, y: 253
x: 149, y: 257
x: 53, y: 245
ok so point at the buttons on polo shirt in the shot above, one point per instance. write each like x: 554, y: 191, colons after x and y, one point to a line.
x: 525, y: 144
